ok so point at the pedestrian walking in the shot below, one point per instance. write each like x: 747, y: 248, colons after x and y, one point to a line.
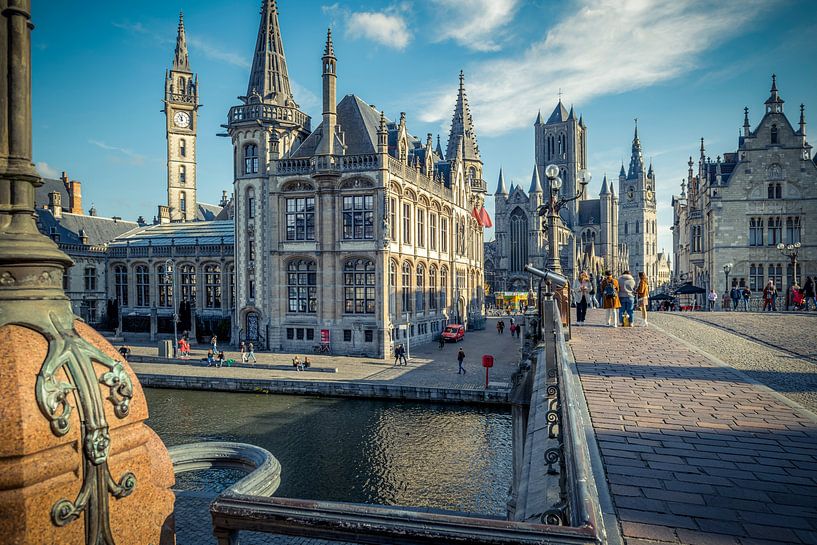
x: 403, y: 356
x: 594, y: 304
x: 626, y: 294
x: 243, y: 350
x: 609, y: 298
x: 397, y: 355
x: 460, y: 359
x: 808, y: 293
x: 643, y: 294
x: 251, y: 352
x: 735, y: 295
x: 712, y: 298
x: 746, y: 295
x: 502, y: 327
x: 441, y: 340
x: 498, y: 328
x: 770, y: 297
x: 583, y: 298
x: 725, y: 305
x: 214, y: 343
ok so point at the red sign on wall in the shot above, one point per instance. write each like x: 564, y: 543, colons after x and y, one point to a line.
x: 324, y: 336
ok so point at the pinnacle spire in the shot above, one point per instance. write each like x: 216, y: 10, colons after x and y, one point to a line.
x: 329, y: 50
x: 774, y: 97
x: 604, y: 189
x: 462, y: 127
x: 500, y: 186
x: 180, y: 60
x: 538, y: 119
x: 269, y: 77
x: 636, y: 158
x: 802, y: 119
x: 439, y: 148
x: 535, y: 183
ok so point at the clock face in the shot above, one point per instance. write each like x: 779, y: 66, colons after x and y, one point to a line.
x: 181, y: 119
x: 649, y: 195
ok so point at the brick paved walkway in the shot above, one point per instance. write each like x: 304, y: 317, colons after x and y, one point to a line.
x: 694, y: 452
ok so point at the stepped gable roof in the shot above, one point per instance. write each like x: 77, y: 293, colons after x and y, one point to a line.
x: 590, y: 212
x: 98, y: 229
x: 180, y: 234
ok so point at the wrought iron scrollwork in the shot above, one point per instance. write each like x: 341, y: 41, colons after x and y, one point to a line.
x: 557, y: 516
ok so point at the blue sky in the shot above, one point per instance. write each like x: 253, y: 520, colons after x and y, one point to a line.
x: 685, y: 68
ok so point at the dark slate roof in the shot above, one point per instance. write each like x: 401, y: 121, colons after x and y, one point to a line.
x: 99, y: 230
x: 49, y: 186
x: 180, y: 234
x: 207, y: 212
x: 590, y: 212
x: 559, y: 114
x: 359, y: 123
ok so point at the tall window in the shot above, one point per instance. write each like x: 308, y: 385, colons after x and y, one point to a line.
x: 775, y: 191
x: 696, y: 240
x: 519, y: 240
x: 432, y: 231
x: 792, y: 230
x: 774, y: 134
x: 392, y: 288
x: 182, y: 174
x: 251, y: 203
x: 406, y: 286
x: 393, y: 218
x: 358, y: 217
x: 142, y: 286
x: 358, y: 284
x: 420, y: 289
x: 421, y: 227
x: 755, y: 231
x: 250, y: 159
x: 231, y: 286
x: 183, y: 201
x: 90, y: 278
x: 302, y: 282
x: 406, y: 223
x: 626, y: 228
x: 187, y: 281
x: 251, y: 249
x: 637, y: 227
x: 301, y: 218
x: 443, y: 287
x: 164, y: 281
x: 251, y: 288
x: 432, y: 288
x: 776, y: 275
x: 120, y: 281
x: 443, y: 234
x: 755, y: 277
x: 775, y: 231
x: 182, y: 148
x: 212, y: 285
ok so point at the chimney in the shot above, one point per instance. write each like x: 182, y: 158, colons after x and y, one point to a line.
x: 224, y: 201
x: 55, y: 204
x: 140, y: 221
x: 83, y: 236
x: 164, y: 214
x: 92, y: 211
x: 75, y: 197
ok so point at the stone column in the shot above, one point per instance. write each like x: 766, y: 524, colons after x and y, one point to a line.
x: 153, y: 324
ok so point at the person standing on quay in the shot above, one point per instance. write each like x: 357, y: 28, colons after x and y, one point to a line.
x: 643, y: 293
x: 747, y: 294
x: 251, y: 352
x: 584, y: 297
x: 609, y: 298
x: 243, y: 350
x: 626, y: 292
x: 460, y: 359
x: 712, y: 298
x: 809, y: 293
x: 770, y: 297
x: 735, y: 295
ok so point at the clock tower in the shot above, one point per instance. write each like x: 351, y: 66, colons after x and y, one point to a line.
x: 181, y: 112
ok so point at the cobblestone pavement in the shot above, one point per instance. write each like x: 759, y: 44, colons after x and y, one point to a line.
x: 745, y: 341
x: 694, y: 452
x: 428, y: 366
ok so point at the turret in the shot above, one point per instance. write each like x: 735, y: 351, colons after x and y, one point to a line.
x: 774, y: 104
x: 802, y: 131
x: 500, y: 186
x: 327, y: 144
x: 746, y: 127
x: 535, y: 183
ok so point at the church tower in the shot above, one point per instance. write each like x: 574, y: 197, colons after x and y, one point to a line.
x: 462, y: 139
x: 637, y: 214
x: 181, y: 113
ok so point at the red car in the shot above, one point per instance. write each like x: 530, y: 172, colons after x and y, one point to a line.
x: 454, y: 333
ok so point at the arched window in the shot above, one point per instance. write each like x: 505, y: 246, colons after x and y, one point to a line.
x: 358, y: 284
x: 250, y: 159
x: 302, y: 282
x: 182, y: 174
x: 774, y: 133
x: 120, y: 277
x: 392, y: 288
x: 406, y: 286
x: 181, y: 86
x: 182, y: 148
x: 419, y: 290
x: 183, y: 201
x: 164, y: 280
x: 432, y: 288
x: 142, y: 286
x: 519, y: 240
x: 187, y: 281
x: 212, y: 285
x: 443, y: 288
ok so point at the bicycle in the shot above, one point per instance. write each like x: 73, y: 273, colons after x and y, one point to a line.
x: 322, y: 348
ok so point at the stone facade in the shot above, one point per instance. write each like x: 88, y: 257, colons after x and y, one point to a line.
x: 357, y: 228
x: 738, y: 208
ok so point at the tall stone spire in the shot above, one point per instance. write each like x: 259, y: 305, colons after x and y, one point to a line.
x: 330, y: 76
x: 268, y: 76
x: 535, y: 183
x: 604, y: 189
x: 774, y: 104
x: 802, y: 119
x: 746, y: 126
x: 500, y: 186
x: 180, y: 61
x: 462, y: 125
x: 636, y: 159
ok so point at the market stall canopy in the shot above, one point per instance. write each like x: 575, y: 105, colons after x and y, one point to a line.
x: 689, y: 289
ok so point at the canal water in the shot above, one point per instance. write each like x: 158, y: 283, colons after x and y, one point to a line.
x: 367, y: 451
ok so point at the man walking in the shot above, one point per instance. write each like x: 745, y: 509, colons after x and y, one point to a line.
x: 397, y: 350
x: 735, y: 295
x: 626, y: 292
x: 712, y: 297
x: 770, y: 297
x: 609, y: 298
x: 251, y: 352
x: 460, y: 359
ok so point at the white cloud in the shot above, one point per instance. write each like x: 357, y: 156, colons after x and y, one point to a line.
x: 476, y: 24
x: 305, y: 98
x: 212, y: 51
x: 388, y: 27
x: 604, y: 47
x: 46, y: 170
x: 131, y: 156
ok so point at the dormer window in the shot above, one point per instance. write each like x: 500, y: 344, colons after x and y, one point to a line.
x: 774, y: 134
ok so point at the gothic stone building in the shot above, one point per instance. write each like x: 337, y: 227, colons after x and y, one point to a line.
x: 588, y: 234
x: 357, y: 228
x: 739, y: 207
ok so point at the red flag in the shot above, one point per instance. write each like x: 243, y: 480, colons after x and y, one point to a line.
x: 477, y: 215
x: 486, y: 219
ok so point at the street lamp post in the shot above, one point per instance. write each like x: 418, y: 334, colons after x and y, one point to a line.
x: 726, y: 270
x: 551, y: 209
x: 170, y: 272
x: 790, y: 251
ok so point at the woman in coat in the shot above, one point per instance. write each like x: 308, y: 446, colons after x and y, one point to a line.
x: 583, y: 297
x: 609, y: 298
x: 643, y: 294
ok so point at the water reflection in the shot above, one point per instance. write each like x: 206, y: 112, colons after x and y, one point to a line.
x: 441, y: 456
